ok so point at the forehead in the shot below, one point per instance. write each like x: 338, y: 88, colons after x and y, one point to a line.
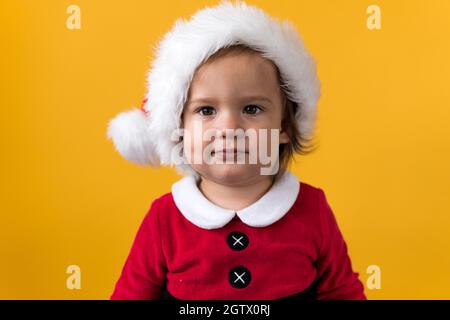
x: 235, y: 73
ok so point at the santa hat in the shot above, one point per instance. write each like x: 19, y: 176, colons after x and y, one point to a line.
x: 143, y: 135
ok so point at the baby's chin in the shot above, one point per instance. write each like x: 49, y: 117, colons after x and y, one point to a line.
x: 229, y: 174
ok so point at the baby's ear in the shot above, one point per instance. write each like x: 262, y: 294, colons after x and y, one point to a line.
x: 284, y: 137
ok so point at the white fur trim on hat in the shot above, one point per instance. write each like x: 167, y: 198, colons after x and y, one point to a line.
x: 145, y: 138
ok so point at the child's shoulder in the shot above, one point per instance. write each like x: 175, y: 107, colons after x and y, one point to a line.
x: 310, y: 191
x: 309, y: 187
x: 162, y: 201
x: 159, y: 204
x: 312, y: 198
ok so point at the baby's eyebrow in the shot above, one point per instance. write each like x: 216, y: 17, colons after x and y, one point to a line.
x: 258, y: 98
x: 214, y: 100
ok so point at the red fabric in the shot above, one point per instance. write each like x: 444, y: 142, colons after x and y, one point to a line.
x: 143, y: 104
x: 283, y: 258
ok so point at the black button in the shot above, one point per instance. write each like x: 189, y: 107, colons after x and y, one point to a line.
x: 239, y: 277
x: 237, y: 240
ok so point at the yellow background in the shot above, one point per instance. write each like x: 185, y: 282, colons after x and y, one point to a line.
x: 383, y: 129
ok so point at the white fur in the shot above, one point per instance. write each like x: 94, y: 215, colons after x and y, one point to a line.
x: 129, y: 131
x: 146, y: 139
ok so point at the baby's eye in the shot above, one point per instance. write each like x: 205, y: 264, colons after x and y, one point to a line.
x: 252, y: 109
x: 206, y: 111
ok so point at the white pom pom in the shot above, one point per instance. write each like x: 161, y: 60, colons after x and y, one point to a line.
x: 131, y: 137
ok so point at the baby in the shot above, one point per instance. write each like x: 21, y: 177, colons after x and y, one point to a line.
x: 232, y: 97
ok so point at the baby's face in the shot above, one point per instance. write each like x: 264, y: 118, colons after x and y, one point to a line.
x: 236, y: 91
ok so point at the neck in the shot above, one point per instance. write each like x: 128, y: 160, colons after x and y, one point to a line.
x: 235, y: 197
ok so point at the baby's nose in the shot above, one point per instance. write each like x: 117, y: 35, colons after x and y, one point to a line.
x: 228, y: 121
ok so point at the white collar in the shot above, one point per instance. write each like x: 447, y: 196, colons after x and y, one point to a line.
x: 271, y: 207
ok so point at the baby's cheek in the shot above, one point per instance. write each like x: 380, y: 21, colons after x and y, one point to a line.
x: 267, y: 139
x: 195, y: 150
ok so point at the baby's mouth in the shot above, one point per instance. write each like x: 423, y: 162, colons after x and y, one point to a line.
x: 229, y: 153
